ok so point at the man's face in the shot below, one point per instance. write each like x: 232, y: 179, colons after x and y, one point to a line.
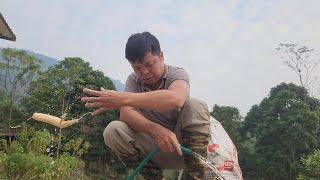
x: 151, y: 69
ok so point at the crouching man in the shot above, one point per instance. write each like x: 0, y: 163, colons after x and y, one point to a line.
x: 155, y: 111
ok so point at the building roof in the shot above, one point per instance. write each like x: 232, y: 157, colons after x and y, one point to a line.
x: 5, y: 31
x: 4, y: 130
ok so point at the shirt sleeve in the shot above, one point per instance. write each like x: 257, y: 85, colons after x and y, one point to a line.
x: 131, y: 84
x: 177, y: 74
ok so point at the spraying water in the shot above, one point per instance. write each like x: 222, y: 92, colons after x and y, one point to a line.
x: 210, y: 165
x: 186, y: 150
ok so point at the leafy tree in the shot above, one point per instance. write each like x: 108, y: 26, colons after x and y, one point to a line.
x: 230, y: 119
x: 58, y: 92
x: 298, y: 58
x: 285, y: 129
x: 16, y: 71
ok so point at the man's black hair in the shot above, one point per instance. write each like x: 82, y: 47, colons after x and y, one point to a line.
x: 139, y: 44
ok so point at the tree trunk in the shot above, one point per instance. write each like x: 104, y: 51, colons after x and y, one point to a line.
x: 10, y: 118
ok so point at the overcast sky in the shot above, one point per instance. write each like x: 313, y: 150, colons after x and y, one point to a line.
x: 227, y: 47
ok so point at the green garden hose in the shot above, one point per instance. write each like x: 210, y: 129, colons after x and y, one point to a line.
x: 149, y: 157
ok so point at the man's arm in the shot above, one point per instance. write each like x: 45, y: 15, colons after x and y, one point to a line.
x: 159, y: 100
x: 136, y: 120
x: 170, y: 99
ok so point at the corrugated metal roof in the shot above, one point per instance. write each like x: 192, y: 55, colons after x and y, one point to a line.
x: 5, y: 31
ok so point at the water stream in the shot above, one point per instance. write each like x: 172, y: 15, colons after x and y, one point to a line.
x: 216, y: 175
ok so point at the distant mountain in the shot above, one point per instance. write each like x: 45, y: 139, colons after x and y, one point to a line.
x: 118, y: 84
x: 49, y: 61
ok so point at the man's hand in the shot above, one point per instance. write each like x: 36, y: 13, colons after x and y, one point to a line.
x: 104, y: 100
x: 166, y: 140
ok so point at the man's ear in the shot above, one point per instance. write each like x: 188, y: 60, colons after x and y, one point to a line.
x: 161, y: 56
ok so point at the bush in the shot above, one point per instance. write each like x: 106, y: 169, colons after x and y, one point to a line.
x: 27, y: 158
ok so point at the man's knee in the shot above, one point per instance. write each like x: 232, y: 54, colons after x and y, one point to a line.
x: 195, y: 116
x: 196, y: 109
x: 111, y: 133
x: 196, y: 106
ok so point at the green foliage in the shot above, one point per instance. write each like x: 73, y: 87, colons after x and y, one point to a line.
x: 285, y: 129
x: 58, y: 92
x: 27, y: 158
x: 17, y: 69
x: 230, y: 119
x: 77, y: 147
x: 17, y: 112
x: 26, y: 166
x: 311, y: 164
